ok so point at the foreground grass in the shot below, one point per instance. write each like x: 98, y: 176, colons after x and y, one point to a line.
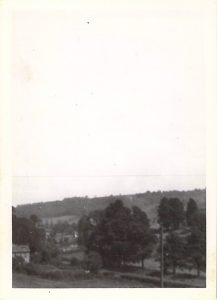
x: 27, y: 281
x: 67, y: 276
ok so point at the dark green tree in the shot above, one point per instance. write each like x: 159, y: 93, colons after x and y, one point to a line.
x: 177, y: 212
x: 164, y: 213
x: 87, y: 225
x: 24, y: 231
x: 191, y: 210
x: 174, y: 251
x: 84, y: 230
x: 110, y: 237
x: 196, y: 243
x: 141, y: 236
x: 170, y: 213
x: 35, y: 219
x: 93, y: 262
x: 122, y: 235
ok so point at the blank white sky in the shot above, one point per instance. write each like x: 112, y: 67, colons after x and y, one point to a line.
x: 101, y: 95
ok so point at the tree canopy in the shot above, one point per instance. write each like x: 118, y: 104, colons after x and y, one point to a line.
x: 170, y: 213
x: 196, y: 242
x: 24, y: 231
x: 119, y: 235
x: 191, y: 210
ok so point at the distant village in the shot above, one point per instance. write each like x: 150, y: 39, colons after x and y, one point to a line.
x: 63, y: 232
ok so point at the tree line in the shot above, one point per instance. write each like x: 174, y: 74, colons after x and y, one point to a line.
x: 120, y: 235
x: 185, y: 234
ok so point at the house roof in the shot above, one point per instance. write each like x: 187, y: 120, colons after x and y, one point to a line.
x: 20, y: 248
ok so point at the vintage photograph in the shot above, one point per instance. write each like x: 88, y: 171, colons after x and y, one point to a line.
x: 108, y: 155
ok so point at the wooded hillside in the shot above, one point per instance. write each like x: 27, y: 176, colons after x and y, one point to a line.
x: 77, y: 206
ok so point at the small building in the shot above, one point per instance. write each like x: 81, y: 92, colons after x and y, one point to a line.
x: 21, y: 251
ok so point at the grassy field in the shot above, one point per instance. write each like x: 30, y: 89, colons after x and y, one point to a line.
x: 26, y: 281
x: 74, y: 276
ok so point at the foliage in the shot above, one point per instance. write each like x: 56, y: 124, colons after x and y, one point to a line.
x: 190, y: 247
x: 192, y: 209
x: 171, y: 213
x: 84, y: 230
x: 164, y: 213
x: 49, y: 251
x: 86, y: 226
x: 34, y: 219
x: 174, y: 251
x: 140, y: 236
x: 74, y: 261
x: 110, y: 237
x: 26, y: 232
x: 119, y: 234
x: 31, y: 269
x: 93, y: 262
x: 196, y: 243
x: 18, y: 264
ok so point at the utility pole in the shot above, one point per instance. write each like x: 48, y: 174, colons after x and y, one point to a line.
x: 161, y: 258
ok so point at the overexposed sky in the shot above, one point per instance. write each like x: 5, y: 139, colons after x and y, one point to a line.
x: 107, y: 102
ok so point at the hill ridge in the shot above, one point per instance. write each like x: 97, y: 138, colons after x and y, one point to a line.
x: 147, y: 201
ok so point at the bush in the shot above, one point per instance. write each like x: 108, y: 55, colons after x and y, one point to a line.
x: 75, y: 262
x: 56, y: 261
x: 18, y: 264
x: 57, y: 275
x: 93, y: 262
x: 36, y: 257
x: 31, y: 269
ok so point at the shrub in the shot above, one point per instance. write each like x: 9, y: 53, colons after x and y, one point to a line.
x: 18, y: 264
x: 36, y: 257
x: 93, y: 262
x: 31, y: 269
x: 74, y: 261
x: 56, y: 261
x: 57, y: 275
